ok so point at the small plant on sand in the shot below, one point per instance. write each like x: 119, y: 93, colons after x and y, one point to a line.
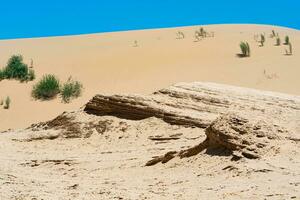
x: 245, y: 49
x: 180, y: 35
x: 286, y: 40
x: 262, y: 40
x: 202, y: 32
x: 273, y: 34
x: 135, y: 43
x: 70, y: 89
x: 278, y: 41
x: 197, y: 36
x: 7, y: 103
x: 47, y: 88
x: 289, y: 52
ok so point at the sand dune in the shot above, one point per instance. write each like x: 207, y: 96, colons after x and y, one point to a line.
x: 108, y: 63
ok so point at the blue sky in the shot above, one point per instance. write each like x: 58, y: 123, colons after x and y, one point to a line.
x: 39, y: 18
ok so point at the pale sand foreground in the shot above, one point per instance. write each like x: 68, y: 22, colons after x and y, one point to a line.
x: 108, y: 63
x: 86, y: 156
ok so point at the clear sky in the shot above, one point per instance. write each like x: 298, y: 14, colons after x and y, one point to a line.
x: 37, y: 18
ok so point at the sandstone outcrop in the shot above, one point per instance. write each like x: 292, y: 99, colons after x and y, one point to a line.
x: 244, y: 122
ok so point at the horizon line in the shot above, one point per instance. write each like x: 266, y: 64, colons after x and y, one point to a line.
x: 143, y: 29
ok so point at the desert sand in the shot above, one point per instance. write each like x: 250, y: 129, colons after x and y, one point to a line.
x: 162, y: 118
x: 109, y: 63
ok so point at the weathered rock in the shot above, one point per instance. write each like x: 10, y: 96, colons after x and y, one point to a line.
x: 141, y: 107
x: 239, y: 136
x: 198, y: 104
x: 68, y: 125
x: 241, y: 121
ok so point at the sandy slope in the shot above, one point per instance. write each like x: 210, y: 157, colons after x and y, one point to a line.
x: 108, y: 63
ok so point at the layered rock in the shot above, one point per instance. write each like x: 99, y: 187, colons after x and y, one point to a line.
x: 243, y: 122
x: 238, y: 136
x: 198, y: 104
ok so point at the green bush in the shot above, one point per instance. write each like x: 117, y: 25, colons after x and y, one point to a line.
x: 70, y: 89
x: 7, y: 103
x: 245, y: 48
x: 16, y: 69
x: 47, y: 88
x: 287, y: 40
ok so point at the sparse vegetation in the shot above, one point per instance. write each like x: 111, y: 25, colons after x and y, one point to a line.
x: 7, y: 103
x: 278, y: 41
x: 286, y: 40
x: 273, y: 34
x: 201, y: 33
x: 47, y: 88
x: 16, y: 69
x: 180, y: 35
x: 245, y: 49
x: 135, y: 43
x: 197, y: 36
x: 262, y: 40
x: 289, y: 51
x: 70, y: 89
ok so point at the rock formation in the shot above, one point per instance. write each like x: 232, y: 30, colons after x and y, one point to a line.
x: 241, y: 121
x: 214, y: 136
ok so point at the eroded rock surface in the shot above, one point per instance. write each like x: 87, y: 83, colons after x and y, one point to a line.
x: 238, y: 136
x: 235, y: 118
x: 198, y: 104
x: 211, y: 136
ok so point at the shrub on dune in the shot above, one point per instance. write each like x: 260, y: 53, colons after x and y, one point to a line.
x: 245, y: 49
x: 47, y: 88
x: 70, y: 89
x: 180, y: 35
x: 273, y: 34
x: 278, y: 41
x: 262, y: 40
x: 202, y: 32
x: 16, y: 69
x: 289, y: 52
x: 287, y: 40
